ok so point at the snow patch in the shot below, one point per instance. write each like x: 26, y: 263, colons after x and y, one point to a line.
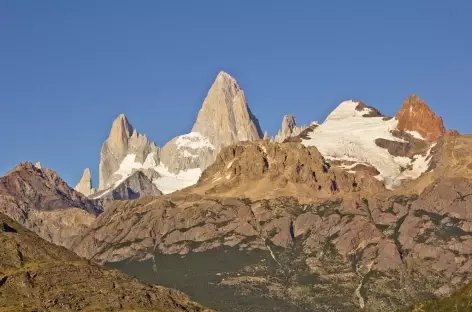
x: 415, y: 134
x: 167, y: 183
x: 193, y: 140
x: 417, y: 166
x: 170, y: 182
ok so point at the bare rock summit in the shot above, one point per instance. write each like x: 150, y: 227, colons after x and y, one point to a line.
x: 415, y: 115
x: 225, y: 117
x: 122, y: 141
x: 289, y: 129
x: 85, y: 184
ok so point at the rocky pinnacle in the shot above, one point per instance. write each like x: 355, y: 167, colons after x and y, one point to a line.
x: 415, y: 115
x: 225, y: 117
x: 122, y: 141
x: 85, y: 184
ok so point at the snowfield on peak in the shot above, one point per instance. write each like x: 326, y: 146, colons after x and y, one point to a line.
x: 193, y: 140
x: 167, y: 182
x: 347, y: 135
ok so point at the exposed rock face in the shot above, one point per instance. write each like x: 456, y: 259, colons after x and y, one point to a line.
x: 85, y: 184
x: 225, y: 117
x: 188, y: 151
x: 38, y: 276
x: 415, y: 115
x: 451, y: 157
x: 40, y: 200
x: 273, y: 169
x: 289, y: 129
x: 135, y: 186
x: 122, y: 141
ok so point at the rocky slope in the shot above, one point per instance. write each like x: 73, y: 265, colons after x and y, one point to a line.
x: 40, y: 200
x: 266, y: 170
x: 460, y: 301
x: 38, y: 276
x: 258, y: 231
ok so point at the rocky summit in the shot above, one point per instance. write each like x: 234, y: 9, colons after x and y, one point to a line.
x: 85, y: 184
x: 225, y: 117
x: 288, y: 129
x: 415, y: 115
x: 123, y: 140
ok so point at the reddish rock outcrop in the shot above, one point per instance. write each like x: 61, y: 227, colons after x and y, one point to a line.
x: 415, y: 115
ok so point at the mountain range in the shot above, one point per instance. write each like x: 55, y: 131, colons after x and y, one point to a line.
x: 361, y: 212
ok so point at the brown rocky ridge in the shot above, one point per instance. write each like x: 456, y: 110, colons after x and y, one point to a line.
x: 266, y: 170
x: 41, y: 201
x: 415, y: 115
x: 38, y: 276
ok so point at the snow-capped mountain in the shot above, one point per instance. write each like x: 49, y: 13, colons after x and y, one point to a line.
x: 358, y: 137
x: 224, y: 119
x: 354, y: 137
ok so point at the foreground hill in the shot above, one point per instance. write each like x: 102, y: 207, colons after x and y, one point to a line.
x: 40, y: 200
x: 38, y: 276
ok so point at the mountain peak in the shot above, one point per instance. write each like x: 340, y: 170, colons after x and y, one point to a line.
x: 85, y: 184
x: 416, y: 115
x: 121, y: 128
x: 123, y: 140
x: 225, y: 117
x: 288, y: 129
x: 353, y: 108
x: 224, y: 75
x: 288, y: 123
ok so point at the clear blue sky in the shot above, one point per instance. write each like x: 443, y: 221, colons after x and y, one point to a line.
x: 67, y: 68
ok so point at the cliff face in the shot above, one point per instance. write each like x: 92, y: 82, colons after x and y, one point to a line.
x: 225, y: 117
x: 415, y: 115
